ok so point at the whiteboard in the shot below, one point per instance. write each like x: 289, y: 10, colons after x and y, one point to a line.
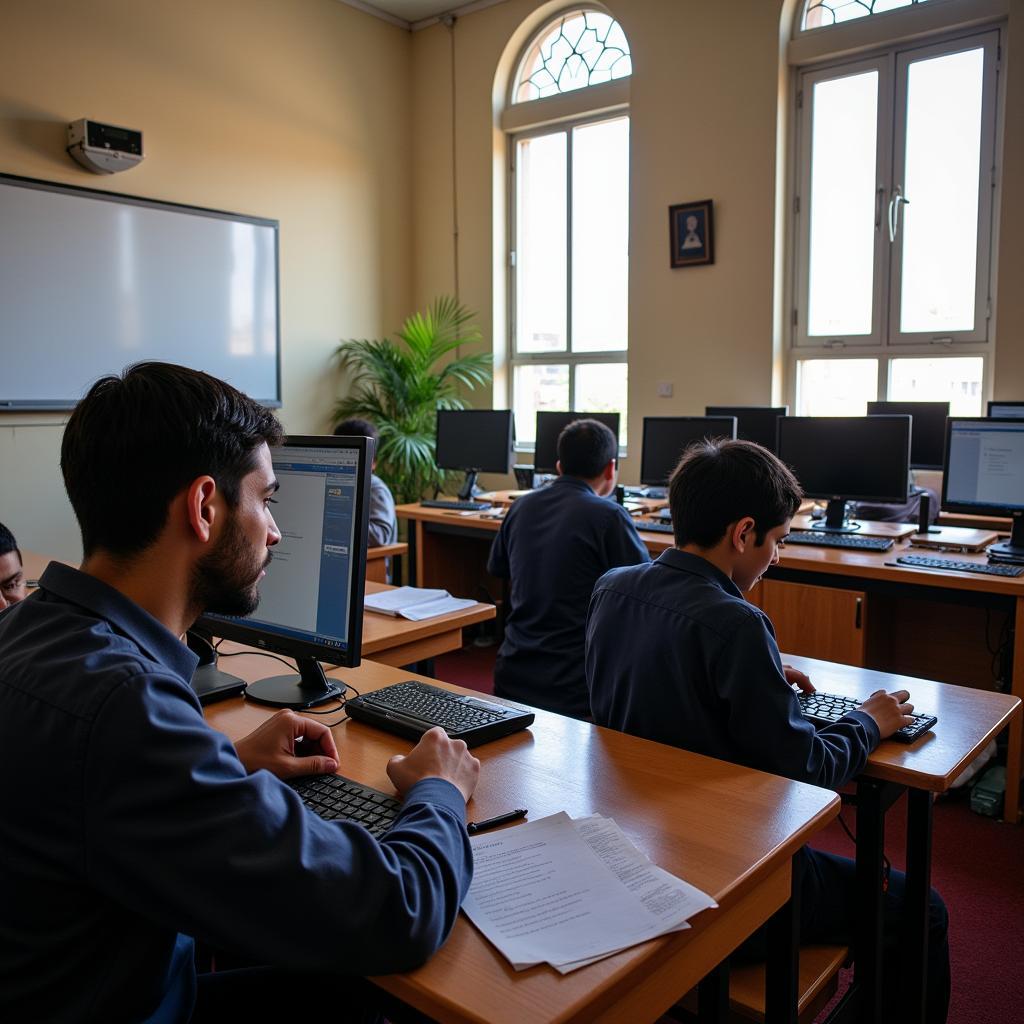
x: 91, y: 282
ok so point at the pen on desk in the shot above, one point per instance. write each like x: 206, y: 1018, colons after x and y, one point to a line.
x: 481, y: 826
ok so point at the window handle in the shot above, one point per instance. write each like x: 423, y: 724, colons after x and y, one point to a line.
x: 894, y: 211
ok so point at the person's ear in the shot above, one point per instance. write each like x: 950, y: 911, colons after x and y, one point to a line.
x: 201, y: 507
x: 558, y: 467
x: 609, y: 470
x: 743, y: 533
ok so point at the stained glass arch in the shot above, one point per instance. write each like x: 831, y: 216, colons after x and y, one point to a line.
x: 822, y: 13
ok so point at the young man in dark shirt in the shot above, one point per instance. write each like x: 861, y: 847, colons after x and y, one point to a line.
x: 12, y: 576
x: 127, y: 825
x: 701, y: 670
x: 554, y: 545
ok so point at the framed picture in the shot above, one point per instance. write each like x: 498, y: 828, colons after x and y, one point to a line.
x: 691, y: 233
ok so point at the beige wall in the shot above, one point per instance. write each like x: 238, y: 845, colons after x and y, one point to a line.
x: 291, y: 109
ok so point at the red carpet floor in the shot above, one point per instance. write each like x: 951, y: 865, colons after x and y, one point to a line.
x: 978, y: 866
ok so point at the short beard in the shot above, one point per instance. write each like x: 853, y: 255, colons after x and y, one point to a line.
x: 225, y: 581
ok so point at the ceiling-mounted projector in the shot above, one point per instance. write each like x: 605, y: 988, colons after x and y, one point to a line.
x: 104, y: 148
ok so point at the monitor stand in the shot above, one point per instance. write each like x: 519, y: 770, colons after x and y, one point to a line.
x: 469, y: 489
x: 305, y: 690
x: 835, y: 518
x: 1014, y: 547
x: 208, y: 681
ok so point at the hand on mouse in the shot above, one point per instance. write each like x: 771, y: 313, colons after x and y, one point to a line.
x: 289, y: 745
x: 797, y: 678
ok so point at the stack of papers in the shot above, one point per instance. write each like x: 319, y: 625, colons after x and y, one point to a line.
x: 415, y: 603
x: 568, y: 893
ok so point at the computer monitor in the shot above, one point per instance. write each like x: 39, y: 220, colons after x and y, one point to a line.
x: 551, y: 424
x: 927, y: 429
x: 476, y: 441
x: 984, y: 473
x: 667, y: 437
x: 758, y: 423
x: 1006, y: 410
x: 843, y: 458
x: 311, y: 599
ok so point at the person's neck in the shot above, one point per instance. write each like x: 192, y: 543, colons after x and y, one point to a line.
x: 156, y: 580
x: 719, y: 556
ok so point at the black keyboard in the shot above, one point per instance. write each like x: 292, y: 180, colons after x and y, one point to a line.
x: 951, y: 565
x: 825, y: 708
x: 839, y: 540
x: 457, y: 506
x: 334, y: 796
x: 655, y: 526
x: 411, y: 708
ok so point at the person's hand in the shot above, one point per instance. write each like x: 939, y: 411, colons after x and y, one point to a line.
x: 289, y: 745
x: 891, y: 711
x: 795, y: 677
x: 438, y: 757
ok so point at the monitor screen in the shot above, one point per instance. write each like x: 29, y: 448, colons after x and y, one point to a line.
x: 757, y: 423
x: 927, y: 429
x: 865, y: 458
x: 984, y: 471
x: 1006, y: 410
x: 667, y: 437
x: 480, y: 439
x: 551, y: 424
x: 311, y: 599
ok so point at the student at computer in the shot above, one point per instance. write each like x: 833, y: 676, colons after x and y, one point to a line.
x: 553, y: 546
x: 700, y: 669
x: 127, y: 824
x: 12, y: 575
x: 383, y: 521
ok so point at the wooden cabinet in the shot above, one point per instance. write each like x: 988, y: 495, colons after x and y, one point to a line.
x: 816, y: 622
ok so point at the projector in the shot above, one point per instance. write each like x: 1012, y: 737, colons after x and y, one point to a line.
x: 104, y: 148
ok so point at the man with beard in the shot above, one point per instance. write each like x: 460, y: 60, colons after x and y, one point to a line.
x: 127, y: 825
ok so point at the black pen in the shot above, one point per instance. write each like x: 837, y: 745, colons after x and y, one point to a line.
x: 481, y: 826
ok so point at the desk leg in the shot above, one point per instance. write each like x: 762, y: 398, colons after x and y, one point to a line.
x: 1011, y: 803
x: 713, y: 996
x: 867, y: 951
x: 415, y: 552
x: 781, y: 996
x: 919, y: 881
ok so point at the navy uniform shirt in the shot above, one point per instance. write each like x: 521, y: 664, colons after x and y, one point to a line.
x: 554, y: 545
x: 675, y: 654
x: 127, y: 824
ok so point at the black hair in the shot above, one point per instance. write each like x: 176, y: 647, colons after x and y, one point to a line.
x: 356, y: 426
x: 718, y: 482
x: 8, y: 543
x: 136, y: 441
x: 585, y: 447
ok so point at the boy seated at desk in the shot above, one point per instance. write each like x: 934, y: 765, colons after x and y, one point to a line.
x: 12, y: 576
x: 383, y: 521
x: 553, y: 546
x: 677, y: 655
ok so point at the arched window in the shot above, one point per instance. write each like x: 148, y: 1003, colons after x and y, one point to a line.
x: 819, y: 13
x: 567, y: 123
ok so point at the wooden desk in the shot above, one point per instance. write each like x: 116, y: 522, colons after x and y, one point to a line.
x: 377, y: 562
x: 729, y: 830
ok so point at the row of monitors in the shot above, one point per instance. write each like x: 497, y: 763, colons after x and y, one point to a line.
x: 864, y: 458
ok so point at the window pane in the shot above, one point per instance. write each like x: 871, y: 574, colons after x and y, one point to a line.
x: 835, y: 387
x: 940, y: 223
x: 537, y: 388
x: 820, y: 13
x: 956, y: 380
x: 541, y: 256
x: 842, y: 209
x: 600, y: 235
x: 601, y: 387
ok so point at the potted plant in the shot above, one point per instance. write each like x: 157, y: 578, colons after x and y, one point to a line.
x: 401, y: 384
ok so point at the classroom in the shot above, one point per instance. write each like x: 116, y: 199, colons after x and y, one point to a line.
x: 384, y: 139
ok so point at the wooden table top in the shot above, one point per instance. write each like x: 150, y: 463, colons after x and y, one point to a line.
x: 726, y: 829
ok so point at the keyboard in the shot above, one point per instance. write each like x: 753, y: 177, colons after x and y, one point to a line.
x: 826, y: 708
x: 411, y: 708
x: 457, y: 506
x: 839, y: 540
x: 335, y: 797
x: 951, y: 565
x: 655, y: 526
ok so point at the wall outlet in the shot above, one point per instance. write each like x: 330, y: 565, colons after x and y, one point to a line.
x: 664, y: 389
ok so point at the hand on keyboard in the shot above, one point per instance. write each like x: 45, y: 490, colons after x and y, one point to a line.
x: 797, y: 678
x: 436, y: 756
x: 891, y: 711
x: 289, y: 745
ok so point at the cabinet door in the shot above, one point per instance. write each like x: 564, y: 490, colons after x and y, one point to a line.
x: 817, y: 622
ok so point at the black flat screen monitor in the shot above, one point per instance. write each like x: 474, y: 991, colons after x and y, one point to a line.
x: 927, y: 429
x: 984, y: 472
x: 1006, y: 410
x: 551, y: 424
x: 311, y: 599
x: 758, y: 423
x: 841, y: 458
x: 476, y: 441
x: 667, y: 437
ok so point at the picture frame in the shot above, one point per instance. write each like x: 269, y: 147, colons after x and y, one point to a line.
x: 691, y: 234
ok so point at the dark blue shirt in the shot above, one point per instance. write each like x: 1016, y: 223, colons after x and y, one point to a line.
x: 127, y: 824
x: 554, y: 545
x: 675, y: 654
